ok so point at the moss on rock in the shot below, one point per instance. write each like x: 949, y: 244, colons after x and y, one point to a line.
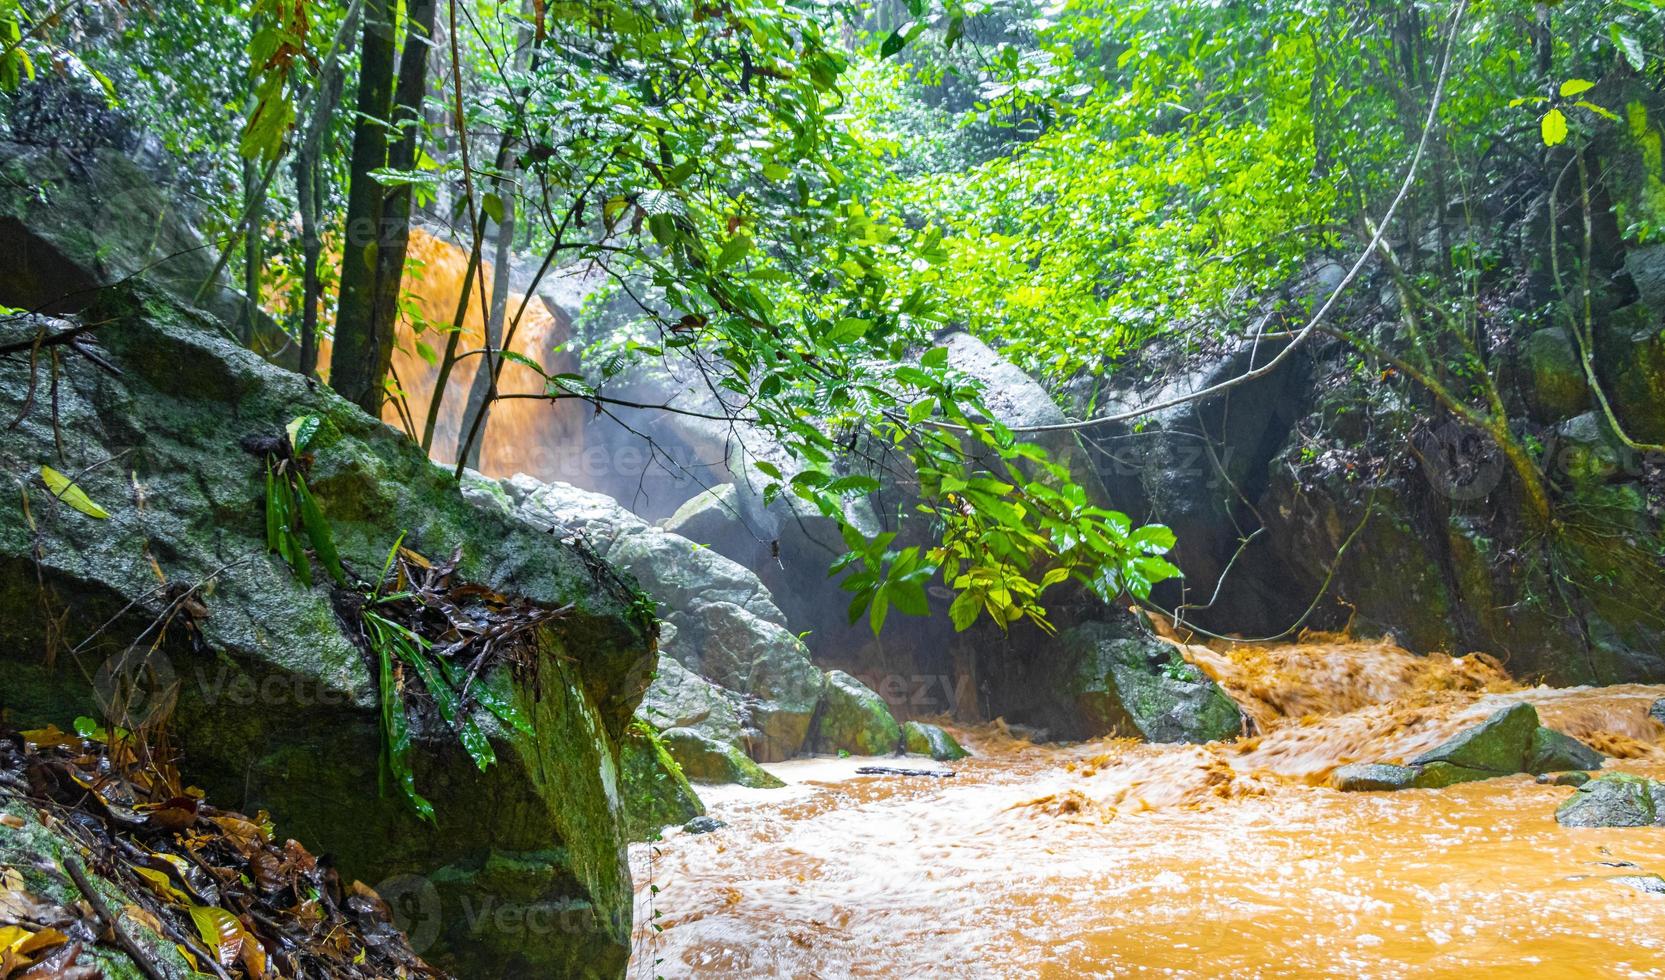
x: 853, y: 719
x: 919, y: 738
x: 656, y: 793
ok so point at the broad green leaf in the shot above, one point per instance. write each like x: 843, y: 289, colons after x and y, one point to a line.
x: 1554, y: 127
x: 1575, y: 86
x: 301, y: 431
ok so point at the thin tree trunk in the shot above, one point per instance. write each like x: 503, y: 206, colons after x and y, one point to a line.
x: 477, y: 403
x: 355, y: 369
x: 310, y: 192
x: 254, y: 205
x: 394, y: 238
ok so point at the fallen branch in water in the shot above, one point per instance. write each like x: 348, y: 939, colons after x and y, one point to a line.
x: 894, y: 771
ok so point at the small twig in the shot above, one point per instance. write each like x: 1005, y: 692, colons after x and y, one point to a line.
x: 128, y: 946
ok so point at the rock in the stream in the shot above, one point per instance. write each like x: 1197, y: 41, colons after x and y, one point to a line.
x: 1111, y: 679
x: 1574, y: 778
x: 706, y: 760
x: 853, y: 719
x: 919, y: 738
x: 656, y: 793
x: 1614, y: 800
x: 1657, y: 711
x: 1498, y: 745
x: 703, y: 825
x: 274, y: 704
x: 1366, y: 776
x: 1553, y: 751
x: 1510, y: 741
x: 1646, y: 884
x: 1436, y: 775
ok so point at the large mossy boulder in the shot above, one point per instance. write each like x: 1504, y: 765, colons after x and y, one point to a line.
x: 655, y: 791
x: 853, y: 719
x: 919, y: 738
x: 271, y: 700
x: 1111, y: 679
x: 70, y: 225
x: 1615, y: 800
x: 1500, y: 744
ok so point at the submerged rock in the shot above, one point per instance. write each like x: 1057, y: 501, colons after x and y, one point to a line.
x: 1614, y: 800
x: 919, y: 738
x: 655, y: 791
x: 703, y: 825
x: 706, y: 760
x: 1118, y: 681
x: 853, y: 719
x: 1366, y: 776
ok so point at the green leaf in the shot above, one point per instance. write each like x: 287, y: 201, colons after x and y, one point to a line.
x: 64, y: 489
x: 1629, y: 47
x: 492, y: 205
x: 1575, y: 86
x: 848, y: 330
x: 892, y: 45
x: 963, y: 612
x: 318, y: 532
x: 302, y: 430
x: 1553, y: 127
x: 733, y: 251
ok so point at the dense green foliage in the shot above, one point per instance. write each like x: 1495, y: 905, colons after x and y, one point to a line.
x: 796, y: 197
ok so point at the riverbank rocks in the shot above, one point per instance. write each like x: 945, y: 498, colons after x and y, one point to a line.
x: 1510, y: 741
x: 272, y: 703
x: 706, y: 760
x: 1615, y: 800
x: 655, y: 792
x: 1109, y: 679
x: 919, y: 738
x: 740, y: 677
x: 854, y: 719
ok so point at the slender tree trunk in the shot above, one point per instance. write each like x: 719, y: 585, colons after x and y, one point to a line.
x: 478, y: 401
x: 254, y: 205
x: 355, y: 367
x: 478, y: 404
x: 394, y: 237
x: 310, y: 190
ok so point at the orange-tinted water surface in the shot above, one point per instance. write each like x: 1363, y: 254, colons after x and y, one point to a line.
x: 1118, y: 859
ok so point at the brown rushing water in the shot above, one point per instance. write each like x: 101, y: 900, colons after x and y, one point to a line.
x: 1112, y: 858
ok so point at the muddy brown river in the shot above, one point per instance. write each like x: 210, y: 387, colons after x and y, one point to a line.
x: 1112, y: 858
